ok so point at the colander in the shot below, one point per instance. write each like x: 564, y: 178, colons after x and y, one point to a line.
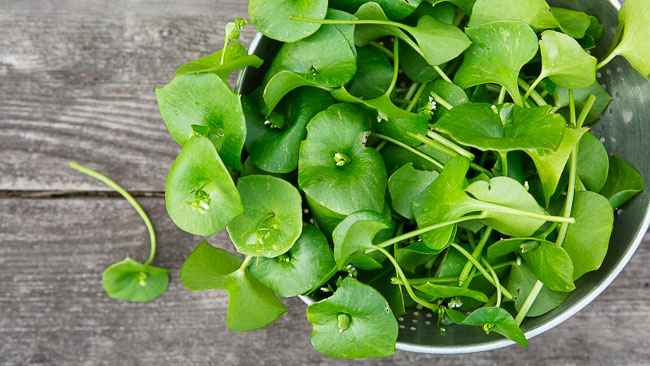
x: 624, y: 128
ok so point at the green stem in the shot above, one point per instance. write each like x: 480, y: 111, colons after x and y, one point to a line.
x: 405, y: 281
x: 409, y: 94
x: 442, y: 74
x: 412, y: 150
x: 434, y: 144
x: 382, y: 49
x: 481, y: 269
x: 585, y: 111
x: 245, y: 263
x: 502, y: 95
x: 530, y: 300
x: 572, y: 108
x: 426, y: 229
x: 393, y: 82
x: 504, y: 163
x: 381, y: 145
x: 532, y: 87
x: 496, y: 279
x: 440, y: 100
x: 537, y: 98
x: 423, y: 280
x: 417, y: 96
x: 475, y: 254
x: 609, y: 58
x: 513, y: 211
x: 104, y: 179
x: 223, y: 52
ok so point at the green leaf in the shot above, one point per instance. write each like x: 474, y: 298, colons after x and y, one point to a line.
x: 391, y: 120
x: 204, y: 100
x: 374, y: 74
x: 406, y: 184
x: 593, y: 162
x: 464, y: 5
x: 355, y: 322
x: 356, y: 233
x: 550, y: 164
x: 480, y: 126
x: 623, y: 182
x: 276, y: 149
x: 200, y: 195
x: 335, y: 169
x: 414, y: 65
x: 303, y: 267
x: 251, y: 305
x: 498, y: 53
x: 395, y: 9
x: 326, y: 59
x: 552, y: 265
x: 633, y: 18
x: 535, y: 13
x: 445, y: 12
x: 507, y: 192
x: 236, y: 58
x: 595, y: 29
x: 521, y: 282
x: 395, y: 157
x: 505, y: 246
x: 434, y: 292
x: 561, y: 97
x: 587, y: 240
x: 272, y: 218
x: 381, y: 281
x: 566, y: 62
x: 272, y: 17
x: 572, y: 22
x: 133, y: 281
x: 452, y: 93
x: 492, y: 319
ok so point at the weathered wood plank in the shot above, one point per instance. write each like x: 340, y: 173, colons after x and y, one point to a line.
x: 82, y: 87
x: 53, y: 310
x: 230, y: 7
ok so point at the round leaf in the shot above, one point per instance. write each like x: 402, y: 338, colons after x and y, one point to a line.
x: 572, y: 22
x: 272, y: 218
x: 536, y: 13
x: 434, y: 292
x: 593, y: 162
x: 335, y: 169
x: 497, y: 54
x: 133, y: 281
x: 271, y: 17
x: 552, y: 265
x: 566, y: 62
x: 521, y: 282
x: 406, y: 184
x: 200, y: 195
x: 355, y: 233
x: 497, y: 320
x: 299, y: 270
x: 395, y: 9
x: 370, y: 330
x: 374, y: 74
x: 633, y: 18
x: 623, y: 182
x: 204, y: 100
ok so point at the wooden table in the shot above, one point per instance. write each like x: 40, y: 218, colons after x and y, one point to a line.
x: 77, y: 81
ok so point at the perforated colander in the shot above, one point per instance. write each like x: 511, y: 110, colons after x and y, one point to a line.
x: 624, y: 128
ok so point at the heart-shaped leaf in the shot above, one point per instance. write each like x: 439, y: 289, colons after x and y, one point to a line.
x: 355, y: 322
x: 355, y: 233
x: 406, y: 184
x: 204, y: 100
x: 276, y: 148
x: 300, y: 269
x: 374, y: 74
x: 633, y: 19
x: 133, y: 281
x: 481, y: 126
x: 561, y: 97
x: 535, y: 13
x: 394, y: 9
x: 326, y: 59
x: 451, y: 93
x: 335, y: 169
x: 434, y: 292
x: 521, y: 282
x: 587, y: 240
x: 498, y: 53
x: 200, y: 195
x: 236, y: 58
x: 566, y: 62
x: 272, y: 218
x: 593, y: 162
x: 492, y: 319
x: 272, y: 17
x: 550, y: 164
x: 572, y: 22
x: 623, y: 182
x: 251, y: 305
x: 552, y: 265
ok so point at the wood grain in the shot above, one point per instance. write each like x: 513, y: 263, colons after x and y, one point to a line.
x: 53, y: 310
x: 81, y: 87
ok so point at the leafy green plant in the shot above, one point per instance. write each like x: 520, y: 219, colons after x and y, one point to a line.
x: 391, y: 161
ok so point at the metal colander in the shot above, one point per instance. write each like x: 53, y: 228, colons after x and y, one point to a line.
x: 624, y: 128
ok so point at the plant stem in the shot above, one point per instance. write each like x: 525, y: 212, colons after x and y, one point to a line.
x: 513, y: 211
x: 609, y: 58
x: 413, y: 233
x: 434, y: 144
x: 481, y: 269
x: 382, y: 49
x: 504, y: 163
x: 423, y: 280
x: 417, y: 96
x: 537, y: 98
x: 572, y: 108
x: 245, y: 263
x: 223, y: 52
x: 502, y: 95
x: 530, y: 300
x: 393, y: 82
x: 496, y: 279
x: 440, y: 100
x: 475, y: 254
x: 442, y: 74
x: 104, y: 179
x: 585, y: 110
x: 405, y: 281
x: 532, y: 87
x: 412, y: 150
x: 409, y: 94
x: 381, y: 145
